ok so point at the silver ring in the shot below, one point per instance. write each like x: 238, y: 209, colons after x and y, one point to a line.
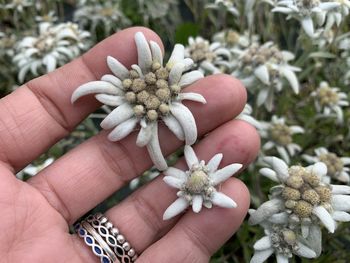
x: 115, y: 246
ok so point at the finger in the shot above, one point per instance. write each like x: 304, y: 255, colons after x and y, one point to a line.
x: 196, y: 237
x: 140, y: 217
x: 90, y: 173
x: 40, y: 113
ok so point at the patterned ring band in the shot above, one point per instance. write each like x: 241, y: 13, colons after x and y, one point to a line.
x: 109, y: 239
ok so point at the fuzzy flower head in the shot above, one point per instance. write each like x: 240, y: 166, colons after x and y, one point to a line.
x: 197, y: 185
x: 329, y: 101
x: 280, y: 136
x: 208, y: 57
x: 336, y: 166
x: 281, y: 241
x: 145, y: 94
x: 55, y: 45
x: 303, y: 196
x: 105, y: 15
x: 263, y: 68
x: 306, y: 11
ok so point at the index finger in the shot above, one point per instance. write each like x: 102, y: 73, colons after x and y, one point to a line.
x: 40, y: 113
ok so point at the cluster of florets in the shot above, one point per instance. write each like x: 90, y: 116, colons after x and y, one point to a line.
x: 327, y: 96
x: 283, y: 240
x: 150, y: 94
x: 281, y: 134
x: 200, y: 51
x: 304, y: 190
x: 335, y: 165
x: 257, y: 55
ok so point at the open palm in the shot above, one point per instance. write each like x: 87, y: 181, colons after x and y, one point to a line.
x: 36, y: 215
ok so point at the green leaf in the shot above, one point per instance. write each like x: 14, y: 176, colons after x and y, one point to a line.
x: 184, y: 31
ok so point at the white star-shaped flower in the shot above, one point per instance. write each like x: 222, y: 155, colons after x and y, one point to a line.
x: 197, y: 185
x: 147, y: 93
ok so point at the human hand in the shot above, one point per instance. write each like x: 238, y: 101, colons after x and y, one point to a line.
x: 36, y: 214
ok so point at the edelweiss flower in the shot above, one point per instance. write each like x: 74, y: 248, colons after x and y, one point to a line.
x: 212, y: 58
x: 262, y: 68
x: 54, y: 46
x: 305, y: 11
x: 335, y: 165
x: 228, y: 5
x: 245, y: 115
x: 197, y: 184
x: 302, y: 198
x: 105, y: 15
x: 147, y: 93
x: 330, y: 100
x: 281, y: 241
x: 19, y: 5
x: 280, y: 136
x: 336, y: 15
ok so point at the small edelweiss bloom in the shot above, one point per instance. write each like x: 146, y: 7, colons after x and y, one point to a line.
x: 227, y: 5
x: 336, y: 15
x: 263, y: 68
x: 197, y: 185
x: 306, y: 11
x: 335, y: 165
x: 281, y: 241
x: 303, y: 196
x: 19, y: 5
x: 245, y: 115
x: 209, y: 58
x: 145, y: 94
x: 106, y: 15
x: 280, y: 136
x: 55, y: 46
x: 233, y: 39
x: 329, y: 101
x: 49, y: 18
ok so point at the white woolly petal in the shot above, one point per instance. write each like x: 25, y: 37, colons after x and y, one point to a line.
x: 340, y: 189
x: 174, y: 126
x: 263, y: 243
x: 117, y: 68
x: 261, y: 255
x: 50, y: 62
x: 175, y: 208
x: 187, y: 121
x: 325, y: 218
x: 319, y: 169
x: 296, y: 129
x: 283, y: 153
x: 192, y: 96
x: 308, y: 26
x: 214, y: 162
x: 341, y: 202
x: 176, y: 173
x: 280, y: 218
x: 281, y: 258
x: 122, y: 130
x: 341, y: 216
x: 157, y: 54
x: 155, y: 152
x: 177, y: 55
x: 117, y: 116
x: 222, y: 200
x: 262, y: 73
x: 114, y: 80
x: 138, y: 70
x: 314, y: 239
x: 305, y: 251
x: 94, y: 87
x: 190, y: 156
x: 262, y: 96
x: 279, y: 166
x: 305, y: 230
x: 188, y: 63
x: 173, y: 182
x: 225, y: 173
x: 292, y: 78
x: 144, y: 135
x: 176, y: 73
x: 269, y: 173
x: 190, y: 77
x: 143, y: 52
x: 110, y: 100
x: 266, y: 210
x: 197, y: 203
